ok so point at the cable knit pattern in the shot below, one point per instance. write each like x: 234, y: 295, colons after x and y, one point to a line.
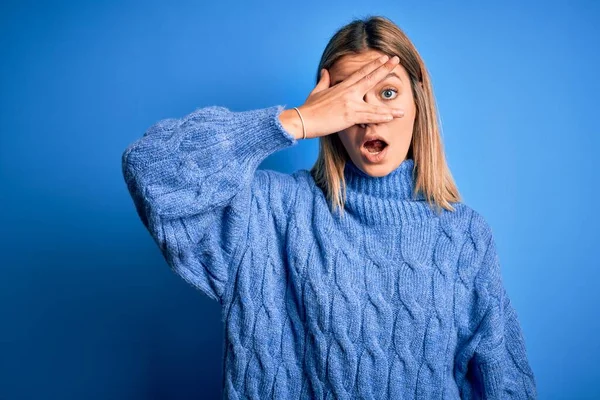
x: 390, y: 301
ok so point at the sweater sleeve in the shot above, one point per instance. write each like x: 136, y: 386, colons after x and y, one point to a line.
x: 498, y: 367
x: 193, y: 180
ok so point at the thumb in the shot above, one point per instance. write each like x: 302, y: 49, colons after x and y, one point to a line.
x: 323, y: 81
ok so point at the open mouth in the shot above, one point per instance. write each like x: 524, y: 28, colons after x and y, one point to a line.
x: 375, y: 146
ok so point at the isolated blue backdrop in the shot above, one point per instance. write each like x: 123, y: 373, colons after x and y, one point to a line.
x: 88, y: 307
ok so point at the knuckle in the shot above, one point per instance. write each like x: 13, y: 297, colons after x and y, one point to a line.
x: 347, y: 114
x: 346, y: 104
x: 375, y: 109
x: 346, y: 107
x: 350, y: 96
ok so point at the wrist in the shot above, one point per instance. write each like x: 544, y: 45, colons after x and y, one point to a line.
x: 292, y: 123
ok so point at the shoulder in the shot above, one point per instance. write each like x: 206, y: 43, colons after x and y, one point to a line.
x: 468, y: 221
x: 470, y: 235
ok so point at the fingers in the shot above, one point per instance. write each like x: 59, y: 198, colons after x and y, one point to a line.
x: 363, y: 117
x: 381, y: 110
x: 323, y: 81
x: 373, y: 77
x: 364, y: 71
x: 377, y: 114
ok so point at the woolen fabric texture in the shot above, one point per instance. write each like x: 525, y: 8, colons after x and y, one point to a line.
x: 388, y: 301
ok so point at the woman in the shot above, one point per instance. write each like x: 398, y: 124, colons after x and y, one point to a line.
x: 356, y: 279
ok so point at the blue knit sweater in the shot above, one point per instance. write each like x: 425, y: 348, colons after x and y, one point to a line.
x: 390, y: 301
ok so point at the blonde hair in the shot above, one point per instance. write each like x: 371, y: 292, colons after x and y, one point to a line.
x: 432, y: 175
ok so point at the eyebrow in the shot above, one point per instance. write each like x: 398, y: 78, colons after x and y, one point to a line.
x: 390, y: 75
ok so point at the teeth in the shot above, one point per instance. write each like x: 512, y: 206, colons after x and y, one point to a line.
x: 375, y: 146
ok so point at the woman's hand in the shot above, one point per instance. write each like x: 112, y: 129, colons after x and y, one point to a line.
x: 332, y: 109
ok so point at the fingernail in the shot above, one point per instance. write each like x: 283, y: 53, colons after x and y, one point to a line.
x: 395, y: 59
x: 384, y: 58
x: 399, y: 112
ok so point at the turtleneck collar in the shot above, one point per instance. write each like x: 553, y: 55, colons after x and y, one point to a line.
x: 384, y: 200
x: 398, y: 184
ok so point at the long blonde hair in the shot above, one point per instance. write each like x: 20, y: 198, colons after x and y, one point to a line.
x: 432, y: 175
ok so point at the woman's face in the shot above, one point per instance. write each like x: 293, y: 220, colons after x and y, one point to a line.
x: 394, y: 91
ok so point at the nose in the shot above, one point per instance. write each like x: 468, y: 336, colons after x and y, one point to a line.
x: 367, y: 98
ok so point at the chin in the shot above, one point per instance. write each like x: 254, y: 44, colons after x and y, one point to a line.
x: 377, y: 170
x: 384, y: 172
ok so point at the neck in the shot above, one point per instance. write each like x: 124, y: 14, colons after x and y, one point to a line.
x: 388, y: 199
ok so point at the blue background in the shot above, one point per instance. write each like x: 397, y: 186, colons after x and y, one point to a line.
x: 90, y: 310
